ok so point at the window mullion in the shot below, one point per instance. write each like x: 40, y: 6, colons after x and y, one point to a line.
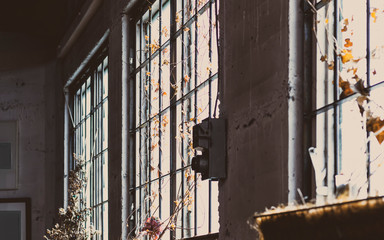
x: 195, y: 108
x: 368, y: 72
x: 336, y: 109
x: 173, y: 117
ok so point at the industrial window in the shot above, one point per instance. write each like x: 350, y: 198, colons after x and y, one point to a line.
x: 90, y: 140
x: 175, y: 80
x: 348, y: 104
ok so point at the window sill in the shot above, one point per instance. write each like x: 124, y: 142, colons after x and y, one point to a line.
x: 360, y: 219
x: 213, y: 236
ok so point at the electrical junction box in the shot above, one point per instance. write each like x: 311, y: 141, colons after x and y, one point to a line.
x: 209, y: 137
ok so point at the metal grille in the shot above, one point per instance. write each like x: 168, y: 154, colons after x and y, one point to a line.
x: 90, y: 141
x: 352, y: 152
x: 175, y: 82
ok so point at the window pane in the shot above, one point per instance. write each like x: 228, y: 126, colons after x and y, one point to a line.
x: 166, y: 112
x: 90, y: 138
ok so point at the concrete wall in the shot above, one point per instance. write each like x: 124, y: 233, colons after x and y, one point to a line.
x: 254, y: 91
x: 24, y: 97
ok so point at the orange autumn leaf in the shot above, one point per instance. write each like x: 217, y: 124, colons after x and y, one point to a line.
x: 348, y: 43
x: 326, y: 21
x: 346, y: 55
x: 186, y: 78
x: 177, y: 19
x: 146, y: 37
x: 346, y: 23
x: 165, y: 62
x: 324, y: 58
x: 380, y: 137
x: 164, y: 31
x: 374, y: 124
x: 331, y: 65
x: 153, y: 146
x: 373, y: 14
x: 346, y: 87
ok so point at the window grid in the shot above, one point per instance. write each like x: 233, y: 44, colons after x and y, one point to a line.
x: 168, y: 76
x: 90, y: 142
x: 337, y: 107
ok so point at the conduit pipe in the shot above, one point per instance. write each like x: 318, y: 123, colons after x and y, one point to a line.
x: 295, y: 100
x: 80, y: 27
x: 66, y: 148
x: 124, y: 128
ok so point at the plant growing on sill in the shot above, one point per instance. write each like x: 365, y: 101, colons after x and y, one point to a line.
x: 71, y: 225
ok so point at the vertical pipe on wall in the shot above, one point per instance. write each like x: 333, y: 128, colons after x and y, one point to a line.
x: 124, y: 128
x: 66, y: 147
x: 295, y: 100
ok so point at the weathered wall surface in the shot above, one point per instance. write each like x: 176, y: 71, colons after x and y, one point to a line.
x: 23, y: 97
x: 254, y: 100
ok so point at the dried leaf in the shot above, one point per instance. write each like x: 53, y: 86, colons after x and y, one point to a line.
x: 164, y: 31
x: 348, y: 43
x: 186, y: 29
x: 359, y: 86
x: 374, y: 124
x: 186, y: 78
x: 346, y: 55
x: 177, y: 19
x: 374, y: 15
x: 331, y: 65
x: 346, y: 87
x: 165, y: 62
x: 346, y: 22
x: 360, y: 103
x: 153, y: 146
x: 324, y: 58
x: 357, y: 60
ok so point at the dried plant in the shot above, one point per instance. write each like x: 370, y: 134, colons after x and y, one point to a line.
x: 71, y: 225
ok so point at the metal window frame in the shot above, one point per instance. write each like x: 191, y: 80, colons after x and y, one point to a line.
x: 175, y: 33
x: 94, y: 75
x: 310, y: 79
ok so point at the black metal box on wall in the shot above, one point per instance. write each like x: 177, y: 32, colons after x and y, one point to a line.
x: 209, y: 137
